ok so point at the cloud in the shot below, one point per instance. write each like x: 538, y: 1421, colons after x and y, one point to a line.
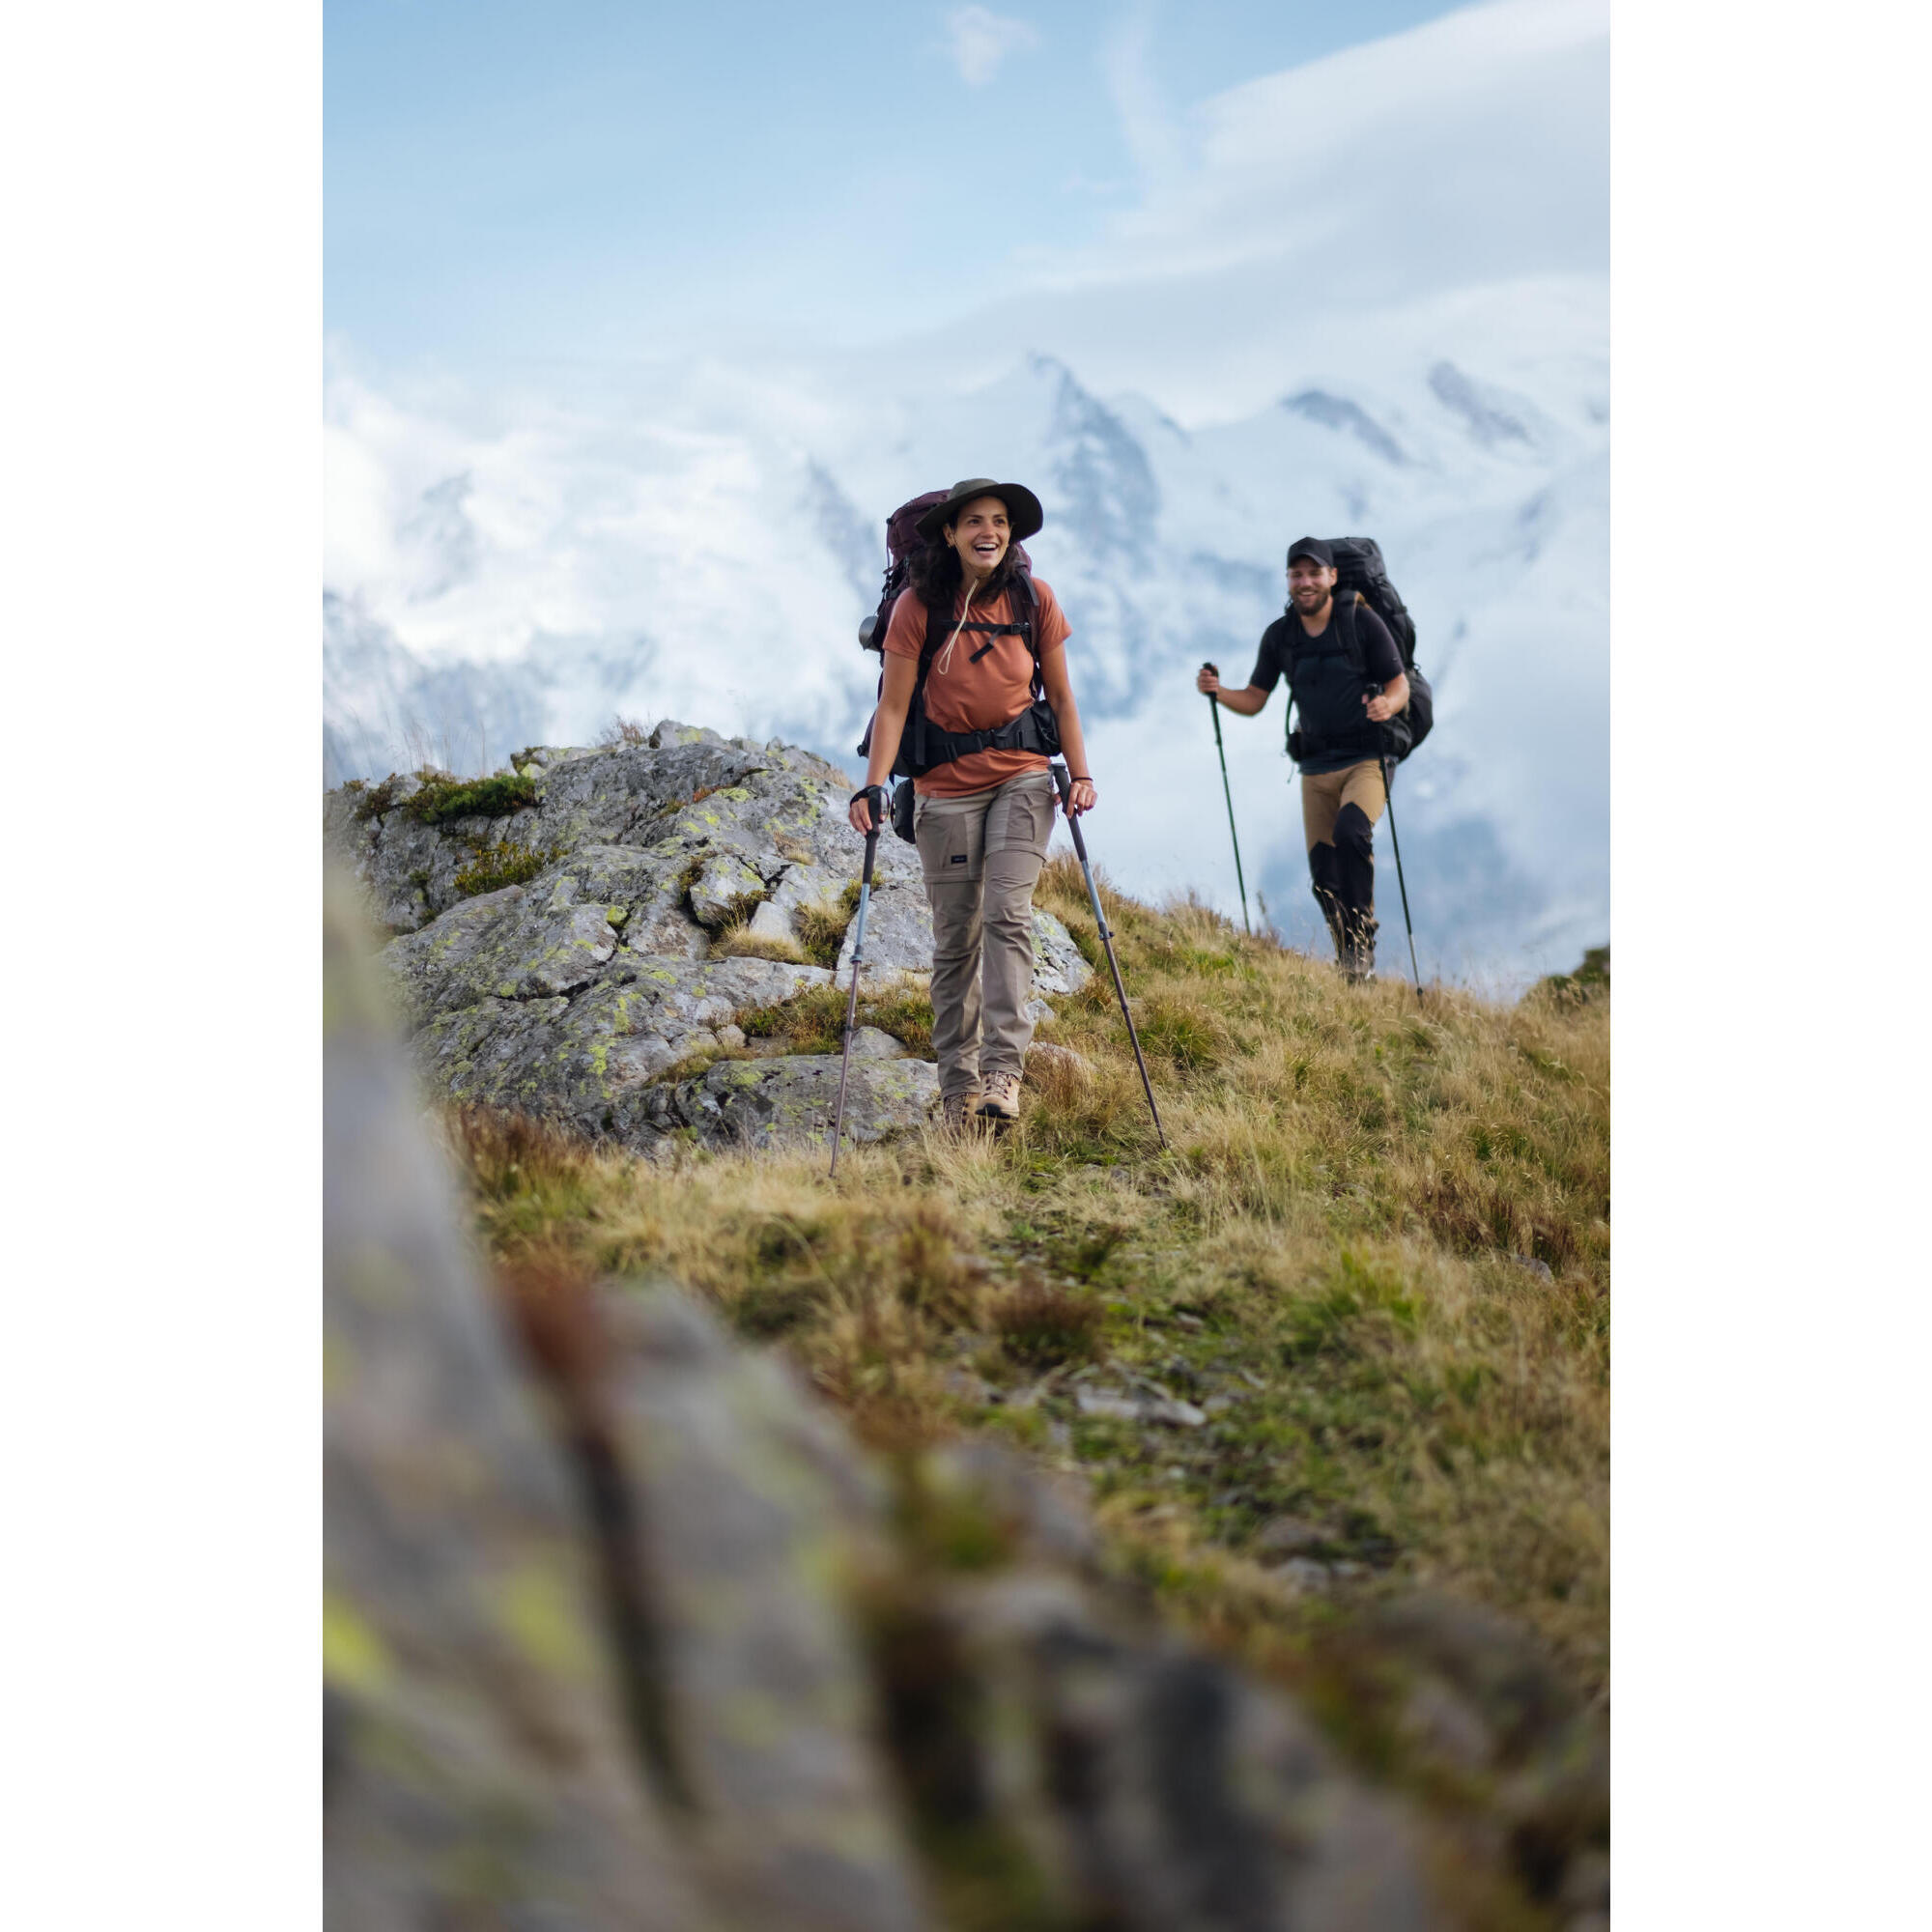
x: 980, y: 40
x: 1484, y: 132
x: 1441, y: 194
x: 1146, y: 125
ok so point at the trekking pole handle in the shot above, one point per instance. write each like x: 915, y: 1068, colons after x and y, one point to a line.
x: 1063, y: 782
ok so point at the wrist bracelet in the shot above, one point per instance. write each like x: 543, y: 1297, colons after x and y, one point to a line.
x: 1079, y: 778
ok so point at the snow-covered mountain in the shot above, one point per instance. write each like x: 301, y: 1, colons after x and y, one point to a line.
x: 533, y: 584
x: 1376, y: 304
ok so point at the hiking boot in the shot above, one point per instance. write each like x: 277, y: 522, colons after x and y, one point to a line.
x: 1000, y: 1102
x: 1322, y: 883
x: 1358, y: 960
x: 957, y: 1112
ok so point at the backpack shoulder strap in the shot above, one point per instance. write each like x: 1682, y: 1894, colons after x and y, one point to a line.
x: 938, y: 624
x: 1293, y: 638
x: 1352, y: 636
x: 1023, y: 602
x: 1291, y: 634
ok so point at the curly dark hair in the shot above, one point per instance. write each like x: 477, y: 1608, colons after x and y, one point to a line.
x: 935, y: 572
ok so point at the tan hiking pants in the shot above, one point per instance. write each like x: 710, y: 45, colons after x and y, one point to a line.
x: 1323, y: 794
x: 981, y: 857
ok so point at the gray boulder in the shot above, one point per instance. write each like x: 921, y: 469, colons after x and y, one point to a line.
x: 725, y: 888
x: 797, y: 888
x: 508, y: 945
x: 589, y: 1060
x: 574, y: 989
x: 689, y: 799
x: 898, y: 932
x: 1058, y: 965
x: 791, y: 1099
x: 809, y: 884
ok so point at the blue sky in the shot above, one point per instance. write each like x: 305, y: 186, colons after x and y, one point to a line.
x: 511, y: 185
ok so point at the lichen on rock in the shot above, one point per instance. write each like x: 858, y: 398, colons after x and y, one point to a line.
x: 571, y: 992
x: 790, y: 1098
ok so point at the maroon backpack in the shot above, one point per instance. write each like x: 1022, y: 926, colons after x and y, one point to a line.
x: 902, y: 539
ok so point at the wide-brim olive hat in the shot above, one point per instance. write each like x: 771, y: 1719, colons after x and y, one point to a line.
x: 1023, y: 509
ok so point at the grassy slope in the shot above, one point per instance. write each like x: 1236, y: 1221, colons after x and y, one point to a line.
x: 1331, y: 1257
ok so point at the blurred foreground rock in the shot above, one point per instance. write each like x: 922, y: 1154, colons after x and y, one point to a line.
x: 478, y: 1766
x: 623, y: 1630
x: 555, y: 924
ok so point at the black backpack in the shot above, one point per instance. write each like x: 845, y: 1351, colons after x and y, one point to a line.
x: 1360, y: 573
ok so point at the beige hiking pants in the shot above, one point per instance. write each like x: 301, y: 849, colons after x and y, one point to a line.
x: 1323, y: 794
x: 981, y: 857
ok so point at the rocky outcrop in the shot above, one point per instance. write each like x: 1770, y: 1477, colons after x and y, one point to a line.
x: 555, y: 929
x: 685, y: 806
x: 622, y: 1631
x: 782, y: 1101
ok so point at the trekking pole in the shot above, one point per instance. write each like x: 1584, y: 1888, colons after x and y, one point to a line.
x: 1063, y: 781
x: 1215, y: 706
x: 1388, y: 798
x: 857, y: 963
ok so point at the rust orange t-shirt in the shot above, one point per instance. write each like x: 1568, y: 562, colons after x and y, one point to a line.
x: 965, y: 695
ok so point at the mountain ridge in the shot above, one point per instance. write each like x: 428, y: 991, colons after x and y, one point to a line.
x: 742, y: 600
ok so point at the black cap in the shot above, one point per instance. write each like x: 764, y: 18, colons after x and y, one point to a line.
x: 1314, y: 548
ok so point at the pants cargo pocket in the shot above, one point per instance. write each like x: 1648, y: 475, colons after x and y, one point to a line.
x: 1021, y: 819
x: 951, y: 844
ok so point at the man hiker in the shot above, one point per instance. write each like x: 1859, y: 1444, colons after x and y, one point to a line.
x: 986, y: 638
x: 1340, y: 753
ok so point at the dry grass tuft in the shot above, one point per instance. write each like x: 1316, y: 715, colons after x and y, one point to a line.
x: 813, y: 1019
x: 821, y: 928
x: 1043, y: 1326
x: 511, y: 1155
x: 1184, y: 1032
x: 735, y: 939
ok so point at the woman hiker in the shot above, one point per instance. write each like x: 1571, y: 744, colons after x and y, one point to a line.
x: 984, y: 798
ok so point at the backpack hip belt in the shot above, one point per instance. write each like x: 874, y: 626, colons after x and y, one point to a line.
x: 925, y: 746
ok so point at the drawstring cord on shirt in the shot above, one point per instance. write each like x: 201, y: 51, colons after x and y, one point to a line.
x: 944, y: 661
